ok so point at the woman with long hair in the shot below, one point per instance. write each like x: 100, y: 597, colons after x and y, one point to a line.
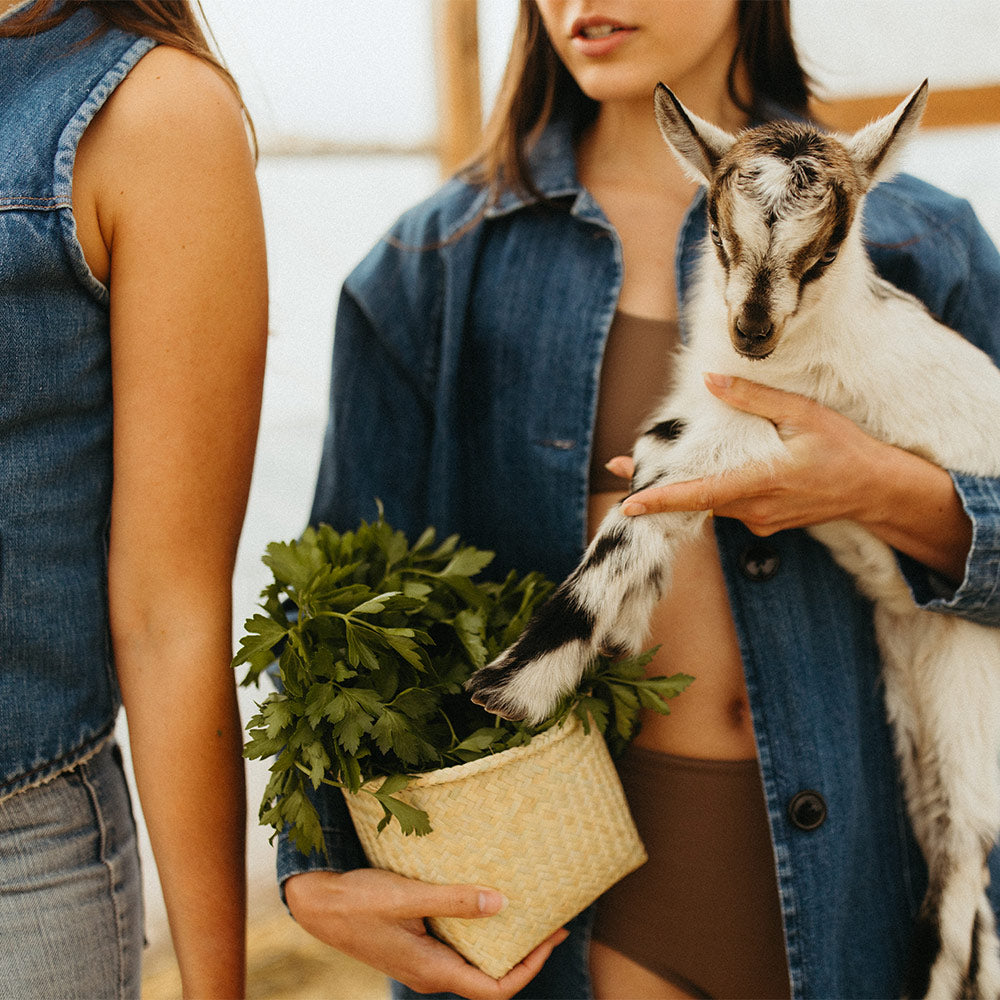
x: 493, y: 354
x: 133, y: 319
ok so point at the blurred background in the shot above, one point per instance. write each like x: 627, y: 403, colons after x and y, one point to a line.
x: 361, y: 107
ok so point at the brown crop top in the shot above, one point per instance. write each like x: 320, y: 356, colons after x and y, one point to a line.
x: 635, y: 375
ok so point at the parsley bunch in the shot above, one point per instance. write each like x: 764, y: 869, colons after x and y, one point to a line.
x: 373, y: 640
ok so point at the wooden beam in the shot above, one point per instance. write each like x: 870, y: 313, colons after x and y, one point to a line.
x: 457, y: 70
x: 955, y: 106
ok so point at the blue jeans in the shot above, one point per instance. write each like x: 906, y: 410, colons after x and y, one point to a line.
x: 565, y: 976
x: 70, y: 887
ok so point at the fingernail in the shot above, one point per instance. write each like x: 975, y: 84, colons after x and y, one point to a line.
x: 722, y: 381
x: 491, y: 902
x: 631, y: 508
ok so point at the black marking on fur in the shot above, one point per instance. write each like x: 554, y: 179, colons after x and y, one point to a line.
x: 760, y: 289
x: 973, y: 973
x: 843, y: 214
x: 561, y: 619
x: 925, y: 946
x: 713, y: 219
x: 814, y: 272
x: 655, y: 581
x: 491, y: 680
x: 720, y: 180
x: 804, y: 173
x: 638, y: 485
x: 667, y: 430
x: 609, y: 543
x: 791, y: 141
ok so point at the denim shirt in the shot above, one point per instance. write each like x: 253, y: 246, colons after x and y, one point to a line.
x: 58, y: 692
x: 466, y: 363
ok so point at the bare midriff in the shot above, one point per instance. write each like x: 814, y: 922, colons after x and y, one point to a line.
x: 694, y: 629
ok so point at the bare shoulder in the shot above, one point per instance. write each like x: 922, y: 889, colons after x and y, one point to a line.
x: 171, y: 134
x: 172, y: 94
x: 174, y: 114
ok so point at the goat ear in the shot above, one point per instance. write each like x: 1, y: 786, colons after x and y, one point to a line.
x: 875, y: 149
x: 697, y: 144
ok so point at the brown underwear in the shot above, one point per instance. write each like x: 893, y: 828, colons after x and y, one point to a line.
x: 635, y: 374
x: 703, y: 912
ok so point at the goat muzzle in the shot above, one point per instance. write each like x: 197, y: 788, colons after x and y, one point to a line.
x: 753, y: 333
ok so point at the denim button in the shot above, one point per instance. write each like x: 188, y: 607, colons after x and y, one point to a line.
x: 807, y: 810
x: 759, y: 562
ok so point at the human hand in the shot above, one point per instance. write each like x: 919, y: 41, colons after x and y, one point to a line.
x: 377, y: 917
x: 826, y: 473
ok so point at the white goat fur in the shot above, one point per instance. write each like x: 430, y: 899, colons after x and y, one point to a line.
x: 860, y: 346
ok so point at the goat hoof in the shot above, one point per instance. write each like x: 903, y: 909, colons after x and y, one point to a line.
x: 490, y: 691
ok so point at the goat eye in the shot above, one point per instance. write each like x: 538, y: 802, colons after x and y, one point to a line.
x: 716, y: 238
x: 829, y: 257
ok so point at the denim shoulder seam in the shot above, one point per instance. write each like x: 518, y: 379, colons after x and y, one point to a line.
x: 62, y: 167
x: 476, y: 208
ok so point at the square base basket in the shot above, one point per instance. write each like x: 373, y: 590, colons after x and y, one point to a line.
x: 546, y: 824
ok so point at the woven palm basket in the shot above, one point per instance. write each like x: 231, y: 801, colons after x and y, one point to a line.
x: 546, y: 824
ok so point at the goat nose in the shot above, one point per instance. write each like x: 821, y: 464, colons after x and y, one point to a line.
x: 753, y: 327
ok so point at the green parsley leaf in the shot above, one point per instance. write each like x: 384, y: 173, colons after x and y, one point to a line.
x: 369, y: 641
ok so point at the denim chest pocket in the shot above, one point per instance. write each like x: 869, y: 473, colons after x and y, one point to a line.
x: 31, y: 246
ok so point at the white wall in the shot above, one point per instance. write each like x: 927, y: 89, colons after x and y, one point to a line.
x: 352, y: 69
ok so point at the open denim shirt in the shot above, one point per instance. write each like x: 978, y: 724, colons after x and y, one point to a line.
x: 466, y: 365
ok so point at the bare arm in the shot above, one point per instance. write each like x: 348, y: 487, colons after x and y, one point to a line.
x: 166, y: 181
x: 834, y: 470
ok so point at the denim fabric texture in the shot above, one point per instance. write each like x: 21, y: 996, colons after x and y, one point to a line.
x: 71, y: 890
x: 58, y: 694
x: 466, y: 363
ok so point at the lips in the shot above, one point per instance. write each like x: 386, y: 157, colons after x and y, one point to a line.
x: 598, y: 30
x: 598, y: 35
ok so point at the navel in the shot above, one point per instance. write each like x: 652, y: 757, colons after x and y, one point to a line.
x: 738, y: 712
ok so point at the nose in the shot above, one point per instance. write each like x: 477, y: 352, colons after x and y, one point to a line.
x: 753, y: 329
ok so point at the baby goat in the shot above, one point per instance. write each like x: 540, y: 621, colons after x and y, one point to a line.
x: 785, y: 275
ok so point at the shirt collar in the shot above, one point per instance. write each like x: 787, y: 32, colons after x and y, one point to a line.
x: 553, y: 168
x: 552, y: 162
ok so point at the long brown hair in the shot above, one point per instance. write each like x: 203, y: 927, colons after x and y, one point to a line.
x: 178, y: 23
x: 537, y: 87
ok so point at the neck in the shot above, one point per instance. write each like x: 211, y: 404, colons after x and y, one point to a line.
x: 624, y: 142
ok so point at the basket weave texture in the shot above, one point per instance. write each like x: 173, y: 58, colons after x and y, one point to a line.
x: 546, y: 824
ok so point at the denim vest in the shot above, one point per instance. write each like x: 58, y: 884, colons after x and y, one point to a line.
x: 467, y: 358
x: 58, y: 692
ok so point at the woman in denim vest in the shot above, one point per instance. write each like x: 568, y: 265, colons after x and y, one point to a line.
x: 492, y: 354
x: 132, y: 332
